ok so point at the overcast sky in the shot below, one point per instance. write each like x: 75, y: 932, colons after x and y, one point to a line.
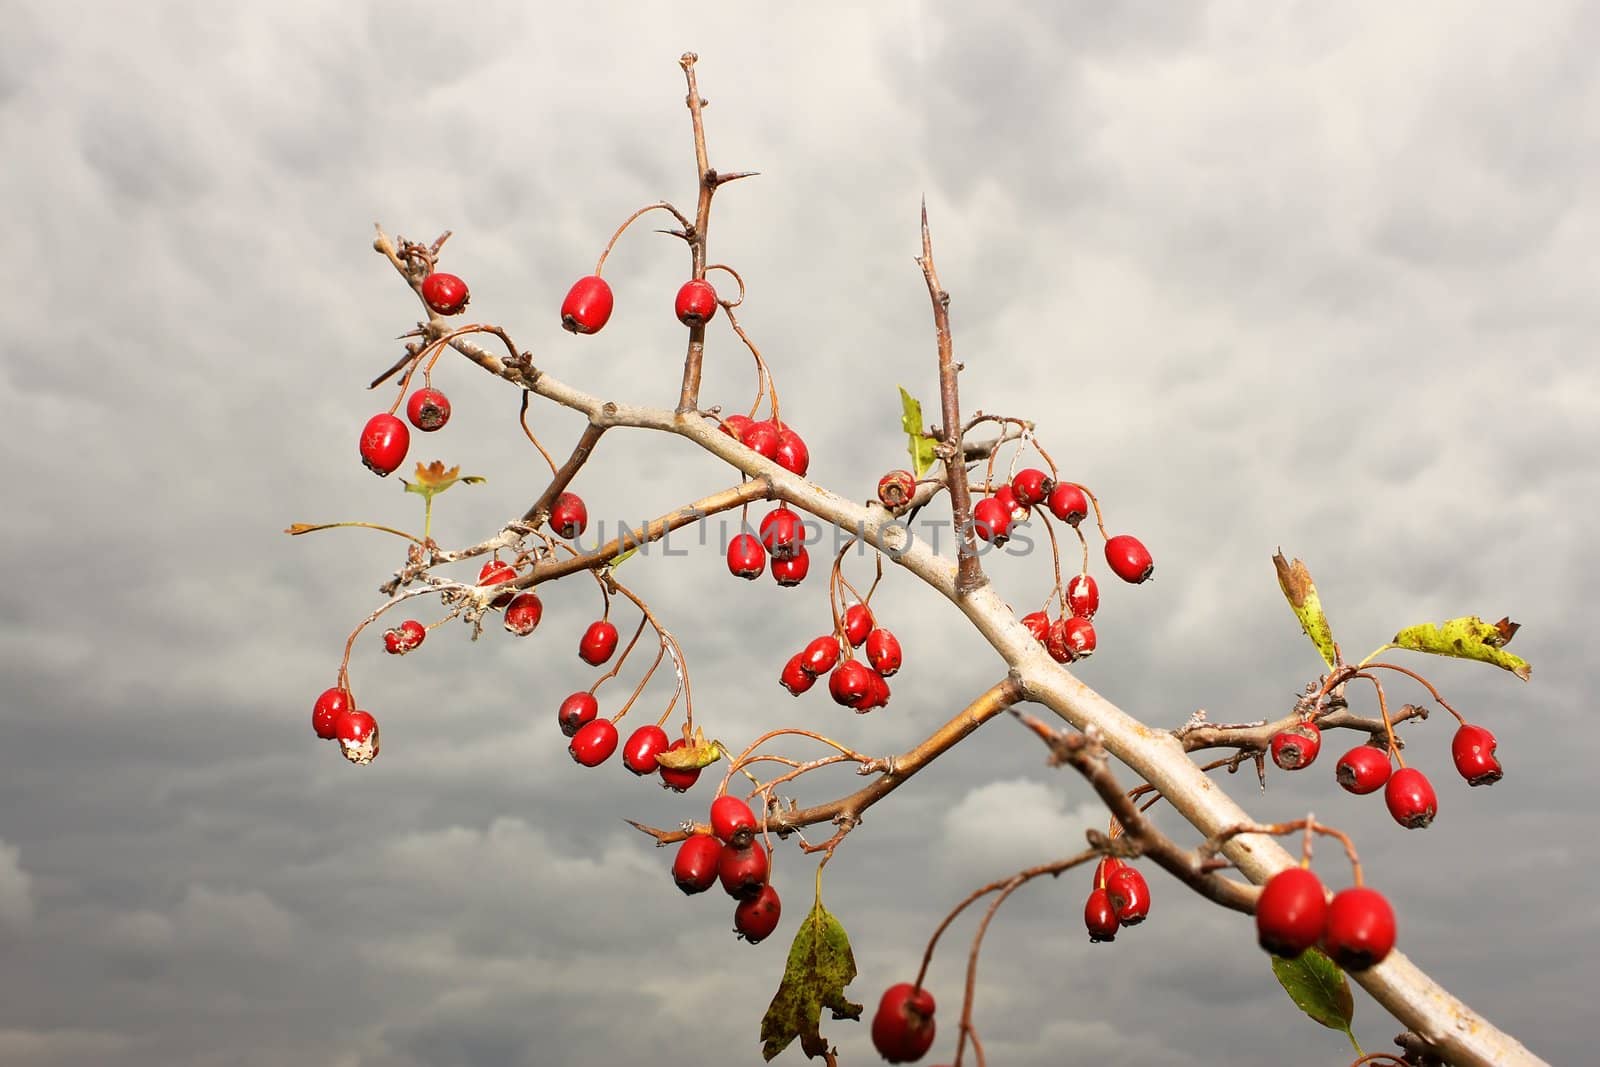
x: 1309, y: 275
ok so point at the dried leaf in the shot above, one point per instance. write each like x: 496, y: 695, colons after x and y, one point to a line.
x: 1318, y: 987
x: 696, y: 754
x: 820, y: 966
x: 434, y: 478
x: 920, y: 445
x: 1468, y: 637
x: 1298, y: 589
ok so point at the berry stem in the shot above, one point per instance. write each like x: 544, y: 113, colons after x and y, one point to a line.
x: 305, y: 527
x: 522, y: 418
x: 661, y: 205
x: 1414, y: 676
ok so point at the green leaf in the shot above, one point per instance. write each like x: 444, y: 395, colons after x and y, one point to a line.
x: 920, y: 446
x: 1298, y: 589
x: 820, y: 966
x: 1318, y: 987
x: 1468, y: 637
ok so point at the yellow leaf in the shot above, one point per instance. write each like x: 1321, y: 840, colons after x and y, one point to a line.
x: 696, y: 754
x: 434, y: 478
x: 1468, y: 637
x: 920, y: 445
x: 1298, y: 589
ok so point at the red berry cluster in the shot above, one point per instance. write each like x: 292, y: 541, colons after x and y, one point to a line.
x: 1118, y: 897
x: 732, y: 855
x: 1356, y: 929
x: 335, y: 717
x: 851, y: 683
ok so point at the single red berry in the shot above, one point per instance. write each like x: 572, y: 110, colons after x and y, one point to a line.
x: 732, y: 820
x: 762, y: 439
x: 1291, y: 912
x: 782, y: 532
x: 594, y: 742
x: 792, y: 454
x: 896, y: 489
x: 357, y: 732
x: 746, y: 557
x: 820, y: 655
x: 639, y: 754
x: 858, y: 623
x: 494, y: 572
x: 1362, y: 770
x: 587, y: 306
x: 523, y: 613
x: 883, y: 652
x: 1083, y: 596
x: 792, y: 571
x: 598, y: 642
x: 1472, y: 749
x: 1410, y: 798
x: 577, y: 711
x: 757, y: 917
x: 696, y: 302
x: 1360, y: 930
x: 1130, y: 895
x: 445, y: 293
x: 676, y: 779
x: 991, y: 520
x: 403, y: 638
x: 903, y: 1027
x: 1099, y: 916
x: 1068, y: 503
x: 1297, y: 746
x: 735, y: 426
x: 1032, y: 486
x: 568, y: 516
x: 1104, y: 870
x: 695, y: 866
x: 1129, y: 559
x: 384, y: 443
x: 326, y: 711
x: 743, y: 871
x: 849, y: 683
x: 428, y: 409
x: 1055, y: 641
x: 1038, y: 624
x: 794, y: 677
x: 1015, y: 509
x: 877, y: 694
x: 1078, y: 636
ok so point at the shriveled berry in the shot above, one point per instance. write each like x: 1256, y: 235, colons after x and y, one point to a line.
x: 1068, y: 503
x: 357, y: 732
x: 743, y: 871
x: 883, y: 652
x: 1083, y: 596
x: 576, y: 711
x: 384, y: 444
x: 588, y: 305
x: 1291, y: 912
x: 791, y: 453
x: 523, y: 613
x: 568, y: 515
x: 1129, y: 559
x: 1296, y: 747
x: 594, y: 742
x: 1360, y: 930
x: 792, y: 571
x: 1362, y: 770
x: 782, y: 532
x: 403, y: 638
x: 1130, y: 895
x: 445, y: 293
x: 1099, y: 917
x: 732, y: 820
x: 903, y: 1026
x: 1410, y: 798
x: 643, y: 745
x: 598, y: 642
x: 428, y: 409
x: 678, y: 779
x: 820, y: 655
x: 896, y: 489
x: 757, y: 917
x: 849, y: 683
x: 696, y: 302
x: 746, y: 557
x: 694, y: 868
x: 991, y: 520
x: 326, y: 711
x: 858, y: 623
x: 1031, y: 486
x: 1472, y: 749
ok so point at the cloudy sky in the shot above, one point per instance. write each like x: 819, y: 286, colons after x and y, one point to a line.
x: 1319, y: 277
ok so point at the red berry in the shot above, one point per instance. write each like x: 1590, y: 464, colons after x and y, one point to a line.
x: 743, y: 871
x: 1362, y: 770
x: 1055, y: 642
x: 877, y: 694
x: 746, y: 557
x: 858, y: 623
x: 732, y: 820
x: 1129, y: 559
x: 428, y: 409
x: 384, y: 443
x: 791, y: 453
x: 357, y: 732
x: 1068, y: 503
x: 675, y: 779
x: 1083, y: 596
x: 896, y: 489
x: 445, y: 293
x: 1473, y: 751
x: 568, y: 516
x: 1130, y: 895
x: 1410, y: 797
x: 523, y: 613
x: 991, y: 520
x: 594, y: 742
x: 1099, y: 916
x: 695, y: 866
x: 1014, y: 508
x: 1038, y: 624
x: 762, y: 439
x: 1078, y: 636
x: 325, y: 713
x: 795, y: 677
x: 735, y: 426
x: 494, y: 572
x: 782, y: 532
x: 1291, y: 912
x: 696, y: 302
x: 1360, y: 930
x: 820, y: 655
x: 1297, y: 746
x: 792, y: 571
x: 576, y: 711
x: 883, y: 652
x: 1031, y: 486
x: 598, y: 642
x: 1104, y: 870
x: 403, y: 638
x: 639, y: 754
x: 587, y: 306
x: 849, y: 683
x: 757, y: 917
x: 903, y: 1027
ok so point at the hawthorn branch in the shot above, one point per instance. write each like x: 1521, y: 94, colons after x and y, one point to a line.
x: 581, y: 451
x: 1256, y: 737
